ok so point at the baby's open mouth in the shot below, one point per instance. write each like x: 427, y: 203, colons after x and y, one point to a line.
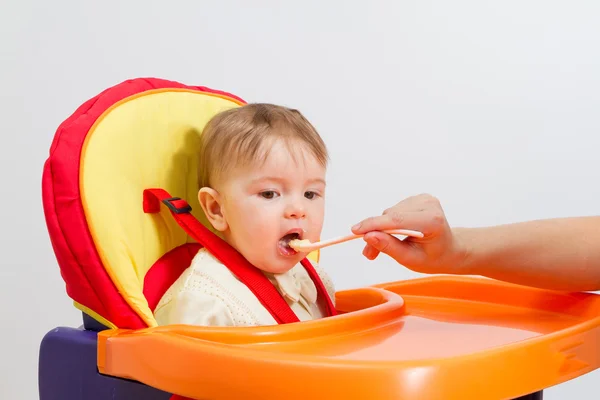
x: 284, y: 244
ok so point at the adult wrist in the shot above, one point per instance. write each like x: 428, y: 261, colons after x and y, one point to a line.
x: 465, y: 250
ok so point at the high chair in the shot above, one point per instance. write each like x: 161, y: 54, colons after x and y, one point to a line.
x: 120, y: 201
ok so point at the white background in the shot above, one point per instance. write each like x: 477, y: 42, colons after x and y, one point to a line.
x: 490, y: 105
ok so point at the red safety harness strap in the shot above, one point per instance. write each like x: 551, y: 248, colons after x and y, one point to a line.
x: 321, y: 290
x: 252, y: 277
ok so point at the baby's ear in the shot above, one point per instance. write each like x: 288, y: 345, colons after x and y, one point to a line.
x: 211, y: 205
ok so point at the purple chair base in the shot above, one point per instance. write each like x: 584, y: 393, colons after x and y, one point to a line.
x: 68, y: 371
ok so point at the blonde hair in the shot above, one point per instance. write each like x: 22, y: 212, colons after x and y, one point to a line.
x: 243, y: 135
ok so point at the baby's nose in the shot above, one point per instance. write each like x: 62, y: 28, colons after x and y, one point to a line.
x: 295, y: 211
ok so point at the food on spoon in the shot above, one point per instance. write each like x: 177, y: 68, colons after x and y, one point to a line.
x: 298, y: 244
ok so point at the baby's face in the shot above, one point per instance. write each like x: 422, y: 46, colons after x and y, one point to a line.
x: 270, y: 204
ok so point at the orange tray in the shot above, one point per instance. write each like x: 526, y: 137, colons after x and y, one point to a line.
x: 434, y: 338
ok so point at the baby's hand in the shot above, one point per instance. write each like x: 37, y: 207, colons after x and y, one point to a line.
x: 437, y: 252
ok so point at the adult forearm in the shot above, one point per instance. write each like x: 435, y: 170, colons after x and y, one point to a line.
x: 561, y: 254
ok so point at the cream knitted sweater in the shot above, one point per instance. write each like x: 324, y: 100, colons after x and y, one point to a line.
x: 208, y: 294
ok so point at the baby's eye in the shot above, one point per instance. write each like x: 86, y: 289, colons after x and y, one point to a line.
x: 268, y: 194
x: 310, y: 195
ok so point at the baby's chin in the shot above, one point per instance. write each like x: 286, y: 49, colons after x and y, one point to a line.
x: 279, y: 266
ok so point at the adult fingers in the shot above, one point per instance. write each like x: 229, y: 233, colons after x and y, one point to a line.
x: 425, y: 221
x: 403, y: 252
x: 370, y: 252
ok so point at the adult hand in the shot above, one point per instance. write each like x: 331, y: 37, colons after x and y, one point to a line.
x: 439, y: 251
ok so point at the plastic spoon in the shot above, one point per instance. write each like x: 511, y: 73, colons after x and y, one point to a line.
x: 306, y: 246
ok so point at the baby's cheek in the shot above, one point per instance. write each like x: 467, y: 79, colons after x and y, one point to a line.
x: 260, y: 230
x: 251, y: 218
x: 315, y: 232
x: 316, y: 222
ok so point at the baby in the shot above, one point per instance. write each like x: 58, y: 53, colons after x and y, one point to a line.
x: 262, y: 183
